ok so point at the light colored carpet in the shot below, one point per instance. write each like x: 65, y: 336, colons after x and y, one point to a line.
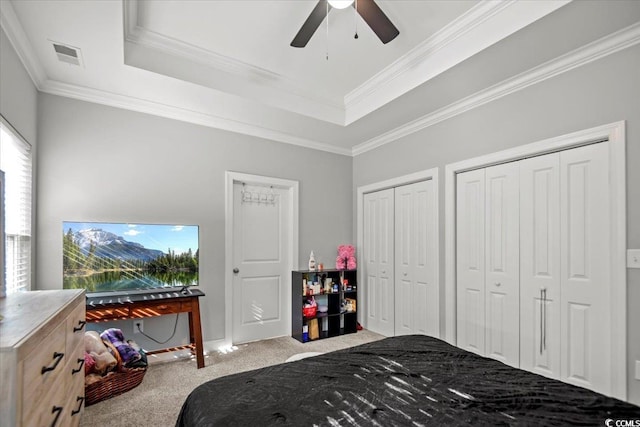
x: 158, y: 399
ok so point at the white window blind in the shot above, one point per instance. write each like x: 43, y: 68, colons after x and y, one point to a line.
x: 15, y: 161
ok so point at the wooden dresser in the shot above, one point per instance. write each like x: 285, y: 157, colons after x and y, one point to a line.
x: 42, y: 358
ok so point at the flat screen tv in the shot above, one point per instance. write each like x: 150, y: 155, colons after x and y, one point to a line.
x: 103, y: 256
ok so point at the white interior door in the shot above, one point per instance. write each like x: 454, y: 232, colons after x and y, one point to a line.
x: 470, y: 260
x: 502, y: 263
x: 379, y: 260
x: 261, y: 268
x: 540, y: 265
x: 416, y: 240
x: 585, y: 252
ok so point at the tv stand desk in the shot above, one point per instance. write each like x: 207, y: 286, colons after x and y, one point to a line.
x: 109, y: 306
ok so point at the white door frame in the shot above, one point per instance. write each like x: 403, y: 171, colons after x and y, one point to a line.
x: 429, y: 174
x: 614, y: 133
x: 237, y: 177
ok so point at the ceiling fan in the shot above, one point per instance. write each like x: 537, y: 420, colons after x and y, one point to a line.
x: 368, y: 9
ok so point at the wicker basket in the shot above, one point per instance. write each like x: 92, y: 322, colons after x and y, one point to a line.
x: 113, y: 384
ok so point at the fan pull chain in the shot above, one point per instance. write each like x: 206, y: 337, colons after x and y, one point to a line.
x: 327, y: 53
x: 355, y: 19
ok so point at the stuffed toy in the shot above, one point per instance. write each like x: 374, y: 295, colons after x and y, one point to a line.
x: 128, y: 354
x: 93, y: 345
x: 346, y: 259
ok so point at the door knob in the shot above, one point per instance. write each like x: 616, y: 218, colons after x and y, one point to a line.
x: 497, y: 283
x: 236, y: 271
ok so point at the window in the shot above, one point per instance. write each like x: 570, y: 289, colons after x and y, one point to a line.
x: 15, y: 162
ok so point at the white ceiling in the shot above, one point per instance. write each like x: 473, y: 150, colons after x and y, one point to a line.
x: 228, y: 64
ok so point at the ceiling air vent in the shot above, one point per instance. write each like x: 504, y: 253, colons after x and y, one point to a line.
x: 68, y: 54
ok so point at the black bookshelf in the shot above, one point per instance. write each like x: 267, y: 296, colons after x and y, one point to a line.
x: 337, y: 320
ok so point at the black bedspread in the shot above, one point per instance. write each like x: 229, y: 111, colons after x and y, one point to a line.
x: 401, y: 381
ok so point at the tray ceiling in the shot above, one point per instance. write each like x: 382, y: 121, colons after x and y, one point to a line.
x: 228, y: 64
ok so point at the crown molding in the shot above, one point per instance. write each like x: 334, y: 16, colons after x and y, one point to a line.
x: 183, y: 114
x: 15, y: 33
x: 607, y: 45
x: 478, y: 28
x: 140, y: 36
x: 455, y: 29
x: 133, y: 33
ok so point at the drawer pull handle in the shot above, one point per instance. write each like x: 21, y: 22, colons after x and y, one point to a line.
x: 58, y: 357
x: 80, y: 364
x: 80, y: 326
x: 77, y: 411
x: 56, y: 410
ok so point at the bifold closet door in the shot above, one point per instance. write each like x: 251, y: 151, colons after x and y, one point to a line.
x: 379, y: 258
x: 584, y: 265
x: 416, y: 243
x: 532, y: 264
x: 540, y: 265
x: 564, y: 266
x: 502, y: 263
x: 487, y: 262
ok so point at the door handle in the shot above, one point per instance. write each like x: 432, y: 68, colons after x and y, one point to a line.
x: 498, y: 284
x: 56, y: 410
x: 236, y: 271
x: 57, y: 357
x: 543, y: 319
x: 80, y: 326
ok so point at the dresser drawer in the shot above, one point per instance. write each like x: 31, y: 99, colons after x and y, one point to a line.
x: 74, y: 407
x: 61, y: 395
x: 49, y: 411
x: 62, y: 407
x: 74, y: 369
x: 44, y: 369
x: 156, y: 309
x: 75, y: 328
x: 43, y: 366
x: 74, y: 385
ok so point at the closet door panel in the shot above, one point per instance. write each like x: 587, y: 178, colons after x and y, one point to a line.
x: 370, y: 256
x: 585, y: 249
x: 427, y: 319
x: 540, y: 265
x: 415, y: 242
x: 379, y: 259
x: 470, y: 260
x: 502, y: 263
x: 405, y: 223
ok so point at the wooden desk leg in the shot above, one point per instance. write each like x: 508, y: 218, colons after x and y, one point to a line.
x: 195, y: 332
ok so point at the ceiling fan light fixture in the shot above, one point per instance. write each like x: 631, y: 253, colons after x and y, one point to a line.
x: 340, y: 4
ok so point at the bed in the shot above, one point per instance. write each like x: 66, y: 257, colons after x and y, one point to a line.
x: 401, y: 381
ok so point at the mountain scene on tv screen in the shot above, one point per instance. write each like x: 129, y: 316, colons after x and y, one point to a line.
x: 98, y: 260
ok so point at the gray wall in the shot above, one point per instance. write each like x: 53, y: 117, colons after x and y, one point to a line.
x: 105, y: 164
x: 602, y: 92
x: 18, y: 106
x: 18, y: 94
x: 98, y: 163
